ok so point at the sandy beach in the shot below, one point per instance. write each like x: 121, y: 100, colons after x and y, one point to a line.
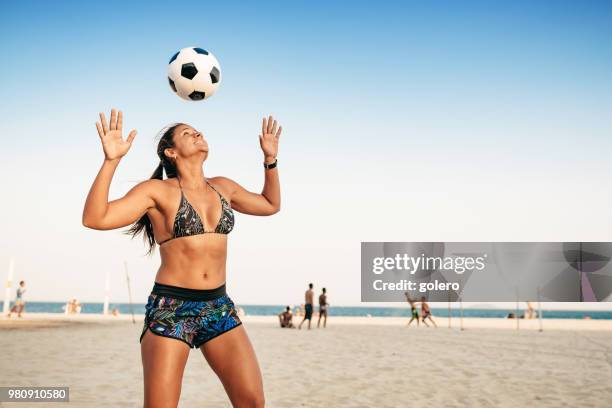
x: 354, y: 362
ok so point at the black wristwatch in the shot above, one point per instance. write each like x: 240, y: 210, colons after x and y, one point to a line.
x: 271, y: 165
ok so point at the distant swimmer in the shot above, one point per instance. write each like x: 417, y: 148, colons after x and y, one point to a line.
x: 309, y: 295
x: 426, y: 312
x: 19, y: 303
x: 413, y: 310
x: 323, y: 306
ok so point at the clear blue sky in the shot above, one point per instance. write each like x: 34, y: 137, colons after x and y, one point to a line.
x: 404, y: 121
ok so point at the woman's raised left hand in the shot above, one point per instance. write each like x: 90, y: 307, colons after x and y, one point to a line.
x: 268, y: 140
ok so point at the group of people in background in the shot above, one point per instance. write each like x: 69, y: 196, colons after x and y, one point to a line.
x: 529, y: 313
x: 425, y: 311
x: 286, y: 317
x: 72, y: 307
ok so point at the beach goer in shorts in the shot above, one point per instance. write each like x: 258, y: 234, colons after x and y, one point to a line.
x: 189, y: 216
x: 426, y: 312
x: 413, y: 310
x: 309, y: 295
x: 19, y: 303
x: 323, y: 306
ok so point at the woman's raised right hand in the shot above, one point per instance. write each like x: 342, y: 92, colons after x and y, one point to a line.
x: 112, y: 142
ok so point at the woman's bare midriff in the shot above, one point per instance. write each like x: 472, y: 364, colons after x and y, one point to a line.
x: 195, y: 262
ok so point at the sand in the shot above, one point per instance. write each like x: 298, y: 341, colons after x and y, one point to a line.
x: 354, y: 362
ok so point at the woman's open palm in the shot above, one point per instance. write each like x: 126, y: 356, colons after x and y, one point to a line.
x: 112, y: 142
x: 268, y: 140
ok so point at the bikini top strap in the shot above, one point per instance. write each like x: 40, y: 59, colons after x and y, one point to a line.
x: 224, y: 202
x: 214, y: 188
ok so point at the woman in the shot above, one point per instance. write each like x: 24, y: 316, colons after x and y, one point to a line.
x: 190, y: 217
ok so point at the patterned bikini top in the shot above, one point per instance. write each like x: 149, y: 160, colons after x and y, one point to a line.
x: 187, y: 222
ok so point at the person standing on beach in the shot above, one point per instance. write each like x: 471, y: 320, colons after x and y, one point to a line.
x: 309, y: 296
x: 426, y: 312
x: 323, y: 305
x: 413, y: 310
x: 19, y: 303
x: 189, y: 216
x: 530, y: 312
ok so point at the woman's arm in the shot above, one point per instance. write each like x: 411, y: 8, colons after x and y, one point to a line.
x: 98, y: 213
x: 246, y: 202
x: 269, y: 201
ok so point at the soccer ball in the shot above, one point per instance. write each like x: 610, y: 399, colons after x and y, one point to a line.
x: 194, y: 74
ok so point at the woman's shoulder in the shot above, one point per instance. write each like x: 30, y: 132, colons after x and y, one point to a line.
x: 157, y: 184
x: 221, y: 180
x: 158, y: 190
x: 225, y: 185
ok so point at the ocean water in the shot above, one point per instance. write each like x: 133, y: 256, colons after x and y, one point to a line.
x: 273, y: 310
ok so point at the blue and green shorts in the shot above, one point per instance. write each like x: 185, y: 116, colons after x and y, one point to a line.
x: 193, y: 316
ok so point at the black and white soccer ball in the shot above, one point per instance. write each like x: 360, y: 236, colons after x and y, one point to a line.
x: 194, y: 74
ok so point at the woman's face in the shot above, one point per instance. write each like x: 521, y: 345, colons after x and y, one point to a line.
x: 188, y: 141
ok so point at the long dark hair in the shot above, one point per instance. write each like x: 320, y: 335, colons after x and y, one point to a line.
x: 165, y: 163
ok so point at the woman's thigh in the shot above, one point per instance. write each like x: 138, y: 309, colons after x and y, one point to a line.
x: 163, y: 363
x: 232, y: 358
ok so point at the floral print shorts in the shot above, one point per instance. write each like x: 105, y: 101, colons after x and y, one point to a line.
x: 193, y: 316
